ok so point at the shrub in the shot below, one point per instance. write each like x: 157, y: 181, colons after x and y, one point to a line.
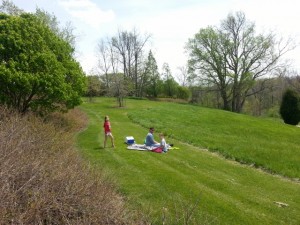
x: 290, y: 107
x: 183, y: 92
x: 44, y: 180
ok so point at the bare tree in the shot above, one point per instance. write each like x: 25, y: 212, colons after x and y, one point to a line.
x: 10, y: 8
x: 183, y: 75
x: 130, y: 47
x: 104, y: 60
x: 119, y: 88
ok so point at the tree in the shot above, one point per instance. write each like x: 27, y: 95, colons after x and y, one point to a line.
x: 37, y: 70
x: 169, y: 83
x: 9, y: 8
x: 106, y: 60
x: 119, y: 88
x: 130, y: 48
x: 66, y: 32
x: 183, y: 75
x: 152, y: 76
x: 183, y: 92
x: 94, y: 86
x: 232, y: 57
x: 290, y: 107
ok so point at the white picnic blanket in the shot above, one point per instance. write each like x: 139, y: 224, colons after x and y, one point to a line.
x: 139, y: 147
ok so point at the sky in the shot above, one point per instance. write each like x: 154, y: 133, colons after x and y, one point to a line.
x: 169, y: 22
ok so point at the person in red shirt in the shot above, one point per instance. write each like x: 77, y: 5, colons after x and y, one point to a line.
x: 107, y: 132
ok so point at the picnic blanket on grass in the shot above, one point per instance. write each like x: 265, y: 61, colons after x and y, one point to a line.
x: 139, y: 147
x: 143, y: 147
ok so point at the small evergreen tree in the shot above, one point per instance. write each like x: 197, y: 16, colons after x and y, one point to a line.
x: 152, y: 77
x: 290, y: 107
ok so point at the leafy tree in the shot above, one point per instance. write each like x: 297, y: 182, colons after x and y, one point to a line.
x: 183, y: 92
x: 37, y: 70
x: 153, y: 77
x: 94, y: 86
x: 290, y: 107
x: 169, y: 83
x: 66, y: 32
x: 232, y: 57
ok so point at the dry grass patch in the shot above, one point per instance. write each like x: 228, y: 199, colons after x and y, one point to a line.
x: 43, y: 179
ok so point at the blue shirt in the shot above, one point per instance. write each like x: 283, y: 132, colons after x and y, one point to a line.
x: 149, y: 139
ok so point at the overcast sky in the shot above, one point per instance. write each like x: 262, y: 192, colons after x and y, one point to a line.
x: 170, y: 22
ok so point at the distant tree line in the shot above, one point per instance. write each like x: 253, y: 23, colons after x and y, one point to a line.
x: 124, y: 70
x: 264, y: 99
x: 230, y: 67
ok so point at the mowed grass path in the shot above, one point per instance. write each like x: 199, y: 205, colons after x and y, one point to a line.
x: 223, y: 191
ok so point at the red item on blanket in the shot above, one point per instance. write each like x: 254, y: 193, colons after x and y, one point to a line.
x: 157, y: 150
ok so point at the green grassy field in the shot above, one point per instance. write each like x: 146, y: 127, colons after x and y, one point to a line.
x: 192, y: 185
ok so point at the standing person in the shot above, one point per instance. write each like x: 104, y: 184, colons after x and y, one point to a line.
x: 150, y: 139
x: 107, y: 132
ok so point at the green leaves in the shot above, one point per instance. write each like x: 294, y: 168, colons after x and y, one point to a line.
x: 230, y: 58
x: 37, y: 71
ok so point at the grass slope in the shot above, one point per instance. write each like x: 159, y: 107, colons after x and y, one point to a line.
x: 168, y: 187
x: 263, y: 143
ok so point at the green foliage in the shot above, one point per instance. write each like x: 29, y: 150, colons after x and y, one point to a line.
x: 165, y: 186
x: 290, y: 107
x: 94, y: 86
x: 169, y: 83
x: 152, y: 77
x: 232, y: 57
x: 183, y: 93
x: 50, y: 20
x: 37, y: 70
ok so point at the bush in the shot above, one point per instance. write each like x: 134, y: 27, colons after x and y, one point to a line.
x: 290, y: 107
x: 183, y: 92
x: 44, y: 180
x: 37, y: 71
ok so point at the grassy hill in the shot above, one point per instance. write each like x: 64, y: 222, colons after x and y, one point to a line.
x: 192, y: 185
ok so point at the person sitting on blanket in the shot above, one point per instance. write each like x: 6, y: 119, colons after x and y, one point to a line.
x: 150, y: 142
x: 163, y: 144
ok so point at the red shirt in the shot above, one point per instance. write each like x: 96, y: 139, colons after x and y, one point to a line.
x: 106, y: 126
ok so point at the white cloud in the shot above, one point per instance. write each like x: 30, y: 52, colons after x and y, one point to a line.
x: 171, y: 27
x: 87, y: 11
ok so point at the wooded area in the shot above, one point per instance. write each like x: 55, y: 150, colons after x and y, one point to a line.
x: 230, y: 67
